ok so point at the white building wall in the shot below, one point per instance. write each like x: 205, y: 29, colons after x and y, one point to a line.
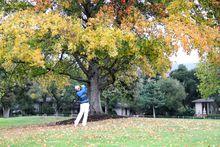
x: 198, y: 107
x: 118, y: 111
x: 122, y: 111
x: 128, y: 112
x: 37, y: 107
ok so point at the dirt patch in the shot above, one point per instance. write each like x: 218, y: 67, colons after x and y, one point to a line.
x: 91, y: 118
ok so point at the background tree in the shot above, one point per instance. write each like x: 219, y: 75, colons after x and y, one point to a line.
x: 174, y: 94
x: 151, y: 96
x: 7, y: 100
x: 119, y: 92
x: 58, y: 88
x: 61, y: 96
x: 190, y: 82
x: 23, y: 100
x: 10, y: 79
x: 209, y: 76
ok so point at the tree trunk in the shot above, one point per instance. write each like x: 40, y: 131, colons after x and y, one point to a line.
x: 154, y: 112
x: 6, y: 112
x: 56, y: 110
x: 95, y: 102
x: 106, y: 105
x: 57, y: 106
x: 42, y: 105
x: 94, y: 92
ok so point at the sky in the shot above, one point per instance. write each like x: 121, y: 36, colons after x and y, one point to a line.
x: 190, y: 61
x: 182, y: 58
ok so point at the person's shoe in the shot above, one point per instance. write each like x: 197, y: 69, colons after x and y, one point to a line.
x: 84, y: 125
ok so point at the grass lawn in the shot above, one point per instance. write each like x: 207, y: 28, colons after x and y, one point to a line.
x: 118, y: 132
x: 28, y: 120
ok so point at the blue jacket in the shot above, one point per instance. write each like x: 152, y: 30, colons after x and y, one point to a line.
x: 82, y: 94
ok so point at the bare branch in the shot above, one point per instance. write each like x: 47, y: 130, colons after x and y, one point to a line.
x: 80, y: 79
x: 82, y: 67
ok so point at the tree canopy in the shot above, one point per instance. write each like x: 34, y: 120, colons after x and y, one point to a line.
x: 190, y: 82
x: 209, y: 76
x: 151, y: 96
x: 174, y: 94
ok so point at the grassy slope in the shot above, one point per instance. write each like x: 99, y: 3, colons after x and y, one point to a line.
x: 120, y: 132
x: 29, y: 120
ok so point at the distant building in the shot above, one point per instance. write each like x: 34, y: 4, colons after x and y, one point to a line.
x: 38, y: 104
x: 122, y: 109
x: 204, y: 107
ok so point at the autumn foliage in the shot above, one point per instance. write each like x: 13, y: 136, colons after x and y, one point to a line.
x: 105, y: 40
x: 42, y: 5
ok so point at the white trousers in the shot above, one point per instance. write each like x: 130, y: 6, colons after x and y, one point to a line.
x: 84, y: 109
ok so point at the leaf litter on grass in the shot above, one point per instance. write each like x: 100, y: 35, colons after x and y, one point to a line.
x: 118, y: 132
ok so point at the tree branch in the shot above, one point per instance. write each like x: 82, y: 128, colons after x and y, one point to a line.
x: 81, y: 65
x: 80, y: 79
x: 107, y: 81
x: 109, y: 77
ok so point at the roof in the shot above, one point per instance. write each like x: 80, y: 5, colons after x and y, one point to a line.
x: 203, y: 101
x: 122, y: 105
x: 48, y: 99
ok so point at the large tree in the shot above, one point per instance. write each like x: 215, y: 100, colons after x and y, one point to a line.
x: 11, y: 78
x: 110, y: 37
x: 208, y: 72
x: 190, y: 82
x: 174, y: 94
x: 209, y: 76
x: 151, y: 96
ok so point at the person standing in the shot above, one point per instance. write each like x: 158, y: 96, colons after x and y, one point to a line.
x: 81, y: 92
